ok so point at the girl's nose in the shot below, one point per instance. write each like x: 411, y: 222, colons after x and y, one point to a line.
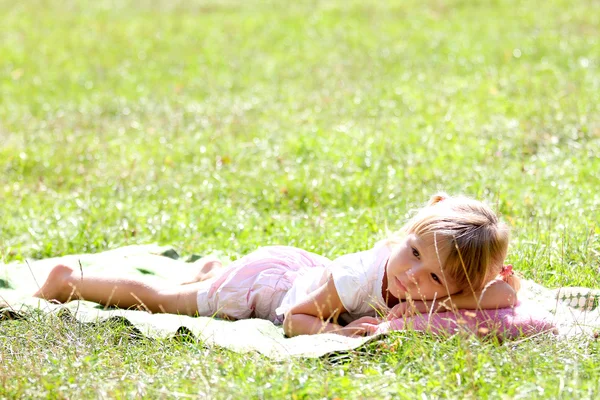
x: 413, y: 275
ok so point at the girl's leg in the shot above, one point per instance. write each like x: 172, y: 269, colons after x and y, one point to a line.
x: 64, y: 284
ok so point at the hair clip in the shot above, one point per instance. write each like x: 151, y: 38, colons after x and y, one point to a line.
x: 507, y: 270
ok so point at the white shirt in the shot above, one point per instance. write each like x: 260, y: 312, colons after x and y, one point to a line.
x: 358, y: 278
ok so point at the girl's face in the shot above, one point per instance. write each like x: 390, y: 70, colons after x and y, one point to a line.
x: 414, y: 269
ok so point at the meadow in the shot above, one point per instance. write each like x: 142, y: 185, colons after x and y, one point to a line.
x: 228, y: 125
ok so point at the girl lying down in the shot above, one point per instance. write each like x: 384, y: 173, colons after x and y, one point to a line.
x: 449, y: 255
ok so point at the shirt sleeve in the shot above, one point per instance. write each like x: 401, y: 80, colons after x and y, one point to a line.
x: 352, y: 281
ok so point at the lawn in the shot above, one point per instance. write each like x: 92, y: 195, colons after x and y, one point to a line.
x: 228, y: 125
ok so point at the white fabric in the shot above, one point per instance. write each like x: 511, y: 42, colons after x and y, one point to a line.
x: 307, y: 281
x: 358, y: 278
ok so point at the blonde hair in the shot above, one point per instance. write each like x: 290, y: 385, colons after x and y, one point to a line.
x: 477, y: 240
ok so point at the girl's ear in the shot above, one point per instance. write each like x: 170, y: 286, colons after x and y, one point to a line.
x: 436, y: 198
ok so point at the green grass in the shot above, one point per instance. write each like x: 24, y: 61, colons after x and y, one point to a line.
x: 229, y: 125
x: 60, y: 359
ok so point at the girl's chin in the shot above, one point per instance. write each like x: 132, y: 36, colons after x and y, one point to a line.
x: 400, y: 295
x: 403, y: 296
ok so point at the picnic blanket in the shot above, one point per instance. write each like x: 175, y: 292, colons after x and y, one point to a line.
x: 565, y: 311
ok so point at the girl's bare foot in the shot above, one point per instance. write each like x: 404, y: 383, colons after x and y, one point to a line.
x: 58, y: 285
x: 209, y: 268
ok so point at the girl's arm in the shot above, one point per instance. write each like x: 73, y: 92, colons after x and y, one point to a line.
x: 319, y: 313
x: 498, y: 294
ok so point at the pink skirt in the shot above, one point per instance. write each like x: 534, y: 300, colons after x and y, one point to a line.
x: 254, y: 285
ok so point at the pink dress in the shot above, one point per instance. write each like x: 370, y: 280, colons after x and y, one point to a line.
x: 254, y: 285
x: 267, y: 282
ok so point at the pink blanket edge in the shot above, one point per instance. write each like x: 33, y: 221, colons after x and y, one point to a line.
x: 525, y: 319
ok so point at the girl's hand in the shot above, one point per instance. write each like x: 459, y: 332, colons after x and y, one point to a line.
x: 408, y: 308
x: 364, y: 326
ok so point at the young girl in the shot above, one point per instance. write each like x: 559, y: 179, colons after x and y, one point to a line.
x: 450, y: 255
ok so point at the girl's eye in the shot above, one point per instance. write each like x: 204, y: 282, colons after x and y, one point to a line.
x: 436, y: 278
x: 416, y: 252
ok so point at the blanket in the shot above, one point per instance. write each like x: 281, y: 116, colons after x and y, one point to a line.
x: 565, y: 311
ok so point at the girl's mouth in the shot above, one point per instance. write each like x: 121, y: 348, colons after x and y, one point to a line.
x: 400, y: 285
